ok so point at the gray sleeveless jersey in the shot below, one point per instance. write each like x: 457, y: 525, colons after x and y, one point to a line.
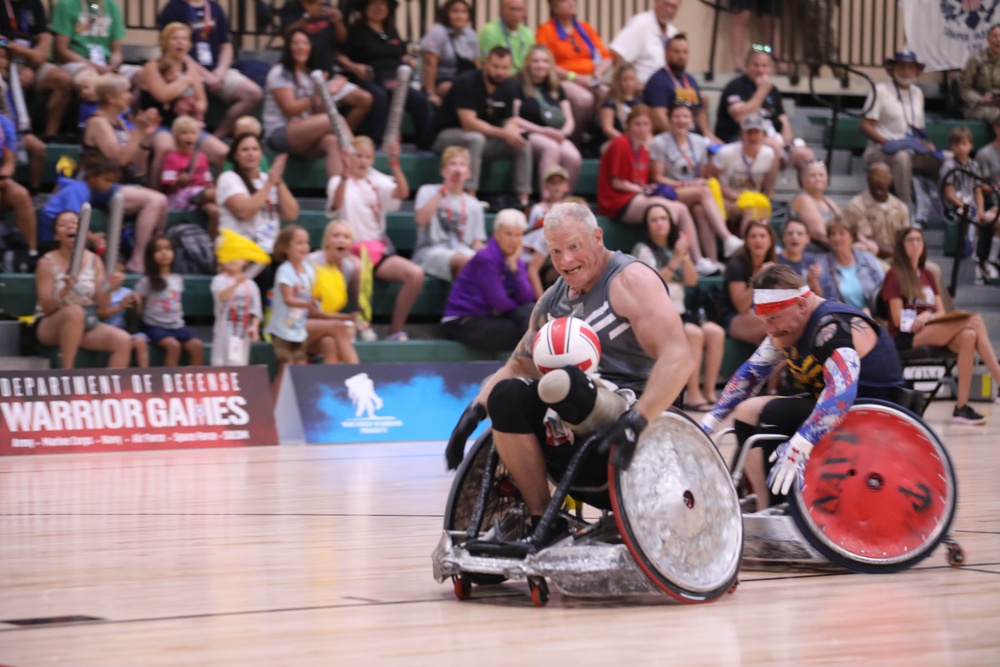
x: 623, y: 361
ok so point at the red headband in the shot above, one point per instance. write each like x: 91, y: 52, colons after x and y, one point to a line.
x: 768, y: 302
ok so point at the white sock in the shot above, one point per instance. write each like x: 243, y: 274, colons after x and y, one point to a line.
x: 994, y: 249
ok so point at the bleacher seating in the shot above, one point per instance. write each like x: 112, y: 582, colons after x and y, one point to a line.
x: 850, y: 137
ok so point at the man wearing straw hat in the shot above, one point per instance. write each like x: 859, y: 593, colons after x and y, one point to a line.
x: 894, y: 126
x: 834, y: 350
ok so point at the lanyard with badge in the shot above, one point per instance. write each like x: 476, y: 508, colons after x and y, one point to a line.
x: 684, y: 91
x: 240, y: 327
x: 637, y: 162
x: 457, y: 231
x: 748, y: 163
x: 375, y: 205
x: 203, y: 51
x: 297, y: 316
x: 92, y: 23
x: 520, y: 41
x: 694, y: 167
x: 912, y: 120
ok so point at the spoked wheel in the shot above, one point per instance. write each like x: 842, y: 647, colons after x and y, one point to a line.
x: 678, y: 512
x: 880, y: 491
x: 502, y: 497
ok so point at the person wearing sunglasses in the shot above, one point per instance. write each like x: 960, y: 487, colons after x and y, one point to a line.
x: 582, y: 60
x: 754, y: 93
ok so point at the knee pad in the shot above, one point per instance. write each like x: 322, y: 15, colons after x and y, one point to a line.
x: 514, y: 407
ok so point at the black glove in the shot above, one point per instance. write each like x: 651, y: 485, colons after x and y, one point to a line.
x: 467, y: 423
x: 624, y: 433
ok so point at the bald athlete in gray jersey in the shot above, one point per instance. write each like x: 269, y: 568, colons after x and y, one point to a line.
x: 644, y: 354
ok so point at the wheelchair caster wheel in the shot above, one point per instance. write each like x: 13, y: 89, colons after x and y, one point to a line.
x: 462, y: 587
x: 956, y: 555
x: 539, y: 591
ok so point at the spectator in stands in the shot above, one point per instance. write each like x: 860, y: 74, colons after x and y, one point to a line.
x: 211, y: 58
x: 161, y: 309
x: 27, y: 141
x: 508, y: 31
x: 582, y: 60
x: 186, y: 178
x: 292, y: 301
x: 980, y: 82
x: 253, y: 204
x: 112, y: 149
x: 238, y: 312
x: 876, y: 216
x: 753, y: 93
x: 640, y: 41
x: 363, y: 196
x: 624, y: 188
x: 120, y: 301
x: 744, y: 166
x: 850, y: 275
x: 478, y: 113
x: 331, y: 329
x: 326, y: 29
x: 961, y: 190
x: 14, y: 197
x: 625, y: 94
x: 735, y: 312
x: 85, y: 86
x: 489, y: 306
x: 335, y: 252
x: 29, y: 42
x: 373, y: 52
x: 894, y: 126
x: 535, y: 249
x: 68, y: 306
x: 794, y: 239
x: 915, y: 319
x: 89, y: 35
x: 770, y: 12
x: 672, y: 85
x: 451, y: 226
x: 988, y: 156
x: 295, y: 121
x: 666, y: 251
x: 545, y: 115
x: 811, y: 205
x: 128, y: 143
x: 680, y: 160
x: 450, y: 48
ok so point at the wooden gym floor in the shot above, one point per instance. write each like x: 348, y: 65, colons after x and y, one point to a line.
x: 321, y: 555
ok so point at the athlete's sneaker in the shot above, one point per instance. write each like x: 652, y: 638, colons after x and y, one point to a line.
x: 967, y: 415
x: 731, y: 245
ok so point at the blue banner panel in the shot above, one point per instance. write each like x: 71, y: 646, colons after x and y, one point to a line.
x: 385, y: 402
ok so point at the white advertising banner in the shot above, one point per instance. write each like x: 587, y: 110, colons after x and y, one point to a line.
x: 944, y: 33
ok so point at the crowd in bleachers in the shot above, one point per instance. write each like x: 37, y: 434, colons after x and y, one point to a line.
x: 540, y: 97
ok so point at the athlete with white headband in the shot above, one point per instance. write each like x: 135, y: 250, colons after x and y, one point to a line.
x: 835, y: 351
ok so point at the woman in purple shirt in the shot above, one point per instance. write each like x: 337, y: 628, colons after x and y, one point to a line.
x: 491, y: 300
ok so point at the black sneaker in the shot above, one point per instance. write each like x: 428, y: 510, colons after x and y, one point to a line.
x: 967, y: 415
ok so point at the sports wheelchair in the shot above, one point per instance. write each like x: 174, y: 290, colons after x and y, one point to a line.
x: 879, y: 495
x: 669, y: 524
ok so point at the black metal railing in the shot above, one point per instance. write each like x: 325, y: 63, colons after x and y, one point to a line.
x: 856, y: 33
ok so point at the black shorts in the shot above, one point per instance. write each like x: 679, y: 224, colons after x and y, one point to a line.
x: 515, y: 407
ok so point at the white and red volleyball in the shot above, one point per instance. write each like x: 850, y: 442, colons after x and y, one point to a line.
x: 566, y: 341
